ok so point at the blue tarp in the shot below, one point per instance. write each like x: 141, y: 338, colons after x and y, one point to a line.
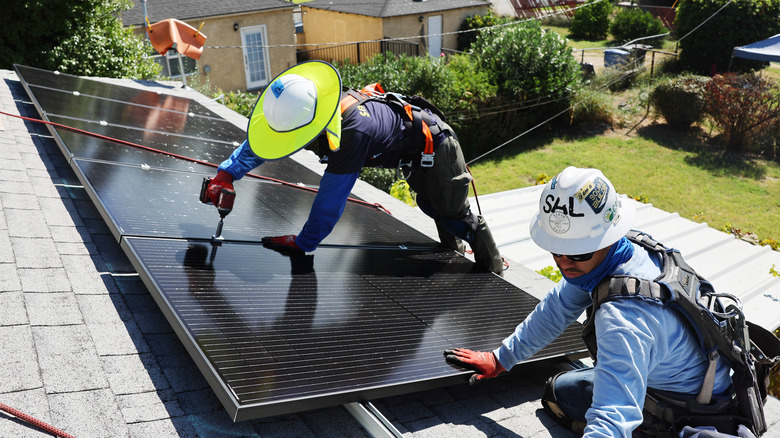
x: 765, y: 50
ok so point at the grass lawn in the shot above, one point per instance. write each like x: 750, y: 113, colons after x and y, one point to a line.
x: 677, y: 172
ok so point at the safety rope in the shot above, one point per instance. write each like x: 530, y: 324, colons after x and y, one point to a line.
x: 34, y: 421
x: 182, y: 157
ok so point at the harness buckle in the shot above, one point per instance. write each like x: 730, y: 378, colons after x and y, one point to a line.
x: 399, y: 172
x: 427, y: 159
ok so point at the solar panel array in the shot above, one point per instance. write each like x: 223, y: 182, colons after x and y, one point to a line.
x: 366, y: 315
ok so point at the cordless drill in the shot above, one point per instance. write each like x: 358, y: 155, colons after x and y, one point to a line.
x: 224, y: 204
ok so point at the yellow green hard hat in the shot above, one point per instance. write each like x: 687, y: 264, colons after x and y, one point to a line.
x: 298, y: 105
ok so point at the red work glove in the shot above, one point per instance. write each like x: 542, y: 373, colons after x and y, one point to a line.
x: 484, y: 363
x: 283, y: 244
x: 222, y: 180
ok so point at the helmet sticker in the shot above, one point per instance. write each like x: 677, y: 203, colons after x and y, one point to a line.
x: 277, y: 88
x: 559, y: 222
x: 612, y: 212
x: 594, y: 194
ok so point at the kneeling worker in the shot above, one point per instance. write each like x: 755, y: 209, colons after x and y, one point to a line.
x: 640, y: 343
x: 305, y: 104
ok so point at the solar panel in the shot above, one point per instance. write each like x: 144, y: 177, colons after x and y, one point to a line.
x: 343, y: 324
x: 367, y: 315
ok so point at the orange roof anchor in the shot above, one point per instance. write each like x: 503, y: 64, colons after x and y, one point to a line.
x: 188, y: 40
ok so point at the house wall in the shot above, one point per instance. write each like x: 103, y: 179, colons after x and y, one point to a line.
x: 226, y: 65
x: 321, y: 27
x: 409, y: 25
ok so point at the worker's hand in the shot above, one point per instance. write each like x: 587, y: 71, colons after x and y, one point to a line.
x: 223, y: 180
x: 283, y: 244
x: 484, y: 363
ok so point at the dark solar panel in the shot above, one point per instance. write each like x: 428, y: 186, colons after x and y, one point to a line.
x: 344, y: 324
x: 140, y: 201
x: 367, y: 316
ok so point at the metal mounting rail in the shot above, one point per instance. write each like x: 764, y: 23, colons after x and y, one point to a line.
x: 372, y: 420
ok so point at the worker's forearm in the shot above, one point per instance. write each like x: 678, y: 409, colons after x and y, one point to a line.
x: 241, y: 161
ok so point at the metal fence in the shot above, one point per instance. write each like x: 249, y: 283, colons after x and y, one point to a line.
x: 356, y: 53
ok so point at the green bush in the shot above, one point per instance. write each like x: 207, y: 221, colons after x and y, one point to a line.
x: 526, y: 62
x: 470, y: 88
x: 591, y: 22
x: 593, y: 108
x: 708, y: 49
x: 681, y: 100
x: 632, y: 23
x: 382, y: 179
x: 471, y: 25
x: 420, y: 75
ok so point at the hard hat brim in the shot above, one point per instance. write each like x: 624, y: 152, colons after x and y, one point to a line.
x: 269, y: 144
x: 585, y: 245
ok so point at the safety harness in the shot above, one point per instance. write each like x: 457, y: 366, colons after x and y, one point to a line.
x: 416, y: 119
x: 722, y: 331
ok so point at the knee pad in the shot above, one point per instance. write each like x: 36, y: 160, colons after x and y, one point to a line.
x: 551, y: 406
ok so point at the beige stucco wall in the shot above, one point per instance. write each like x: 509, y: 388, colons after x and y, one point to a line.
x: 321, y: 26
x: 405, y: 26
x: 226, y: 65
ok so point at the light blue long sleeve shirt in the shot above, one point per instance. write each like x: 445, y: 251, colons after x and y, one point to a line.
x: 640, y: 343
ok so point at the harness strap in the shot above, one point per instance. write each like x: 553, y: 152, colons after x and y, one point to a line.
x: 418, y: 120
x: 705, y: 395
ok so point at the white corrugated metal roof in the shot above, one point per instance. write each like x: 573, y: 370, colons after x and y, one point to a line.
x: 731, y: 264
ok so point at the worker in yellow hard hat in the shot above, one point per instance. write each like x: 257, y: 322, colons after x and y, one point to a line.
x: 354, y: 129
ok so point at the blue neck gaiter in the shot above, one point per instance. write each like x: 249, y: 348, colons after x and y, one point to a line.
x: 621, y: 252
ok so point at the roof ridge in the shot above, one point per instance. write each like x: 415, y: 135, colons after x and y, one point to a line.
x: 384, y: 8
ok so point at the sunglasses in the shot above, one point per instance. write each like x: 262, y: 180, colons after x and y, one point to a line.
x: 575, y: 257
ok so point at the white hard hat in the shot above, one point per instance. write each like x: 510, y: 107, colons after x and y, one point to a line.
x: 299, y: 105
x: 290, y: 103
x: 580, y: 212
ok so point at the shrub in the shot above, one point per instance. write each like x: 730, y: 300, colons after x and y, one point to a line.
x: 380, y: 178
x: 708, y: 49
x: 404, y: 74
x: 681, y: 100
x: 525, y: 62
x: 591, y: 22
x: 402, y: 191
x: 551, y: 273
x: 474, y: 23
x: 593, y: 108
x: 632, y: 23
x: 470, y: 87
x: 742, y: 106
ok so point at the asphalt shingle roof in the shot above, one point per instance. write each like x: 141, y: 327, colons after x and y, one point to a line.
x: 192, y: 9
x: 392, y: 8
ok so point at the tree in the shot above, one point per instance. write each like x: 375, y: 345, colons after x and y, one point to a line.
x: 592, y: 21
x: 707, y: 50
x: 80, y: 37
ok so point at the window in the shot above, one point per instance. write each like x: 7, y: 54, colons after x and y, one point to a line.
x: 255, y: 56
x: 171, y: 67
